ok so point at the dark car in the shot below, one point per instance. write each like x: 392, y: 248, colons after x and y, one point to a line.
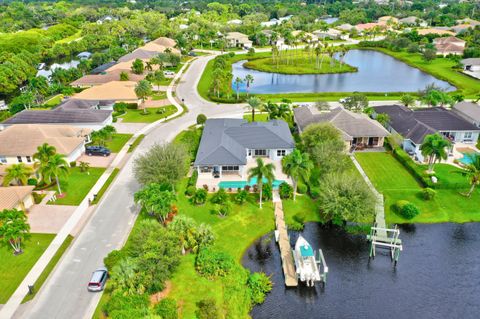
x: 97, y: 151
x: 98, y: 279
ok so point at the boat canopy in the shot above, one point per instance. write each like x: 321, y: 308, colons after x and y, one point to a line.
x: 306, y: 250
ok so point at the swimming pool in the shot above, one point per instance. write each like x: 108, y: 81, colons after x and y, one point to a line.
x: 241, y: 184
x: 468, y: 158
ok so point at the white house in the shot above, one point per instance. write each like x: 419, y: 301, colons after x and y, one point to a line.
x: 237, y: 39
x: 472, y: 64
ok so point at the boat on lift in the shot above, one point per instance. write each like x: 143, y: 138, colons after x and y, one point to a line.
x: 306, y: 266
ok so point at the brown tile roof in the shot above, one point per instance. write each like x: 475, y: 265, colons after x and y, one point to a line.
x: 434, y: 31
x: 98, y: 79
x: 167, y: 42
x: 23, y: 139
x: 114, y: 90
x: 13, y: 195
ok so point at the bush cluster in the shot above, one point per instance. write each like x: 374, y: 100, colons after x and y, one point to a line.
x: 211, y: 264
x: 406, y: 209
x: 285, y: 191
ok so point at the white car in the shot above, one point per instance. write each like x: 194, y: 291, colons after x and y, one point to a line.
x: 98, y: 280
x: 168, y: 73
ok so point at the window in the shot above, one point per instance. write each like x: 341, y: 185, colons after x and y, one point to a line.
x: 249, y: 152
x: 29, y: 159
x: 468, y: 135
x: 280, y: 152
x: 3, y: 160
x: 19, y: 159
x: 205, y: 169
x: 260, y: 152
x: 230, y: 168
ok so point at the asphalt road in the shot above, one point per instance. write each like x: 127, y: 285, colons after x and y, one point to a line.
x: 64, y: 294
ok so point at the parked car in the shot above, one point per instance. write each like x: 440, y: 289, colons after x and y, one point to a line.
x: 192, y: 53
x: 98, y: 280
x: 168, y: 73
x: 97, y: 151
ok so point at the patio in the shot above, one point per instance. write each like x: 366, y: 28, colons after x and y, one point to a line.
x: 458, y: 151
x: 212, y: 182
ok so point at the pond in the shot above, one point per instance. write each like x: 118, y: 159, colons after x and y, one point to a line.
x: 48, y: 69
x: 377, y: 72
x: 436, y: 276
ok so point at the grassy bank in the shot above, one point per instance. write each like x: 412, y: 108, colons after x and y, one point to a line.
x: 135, y: 143
x: 14, y: 268
x: 117, y: 142
x: 396, y: 183
x: 106, y: 185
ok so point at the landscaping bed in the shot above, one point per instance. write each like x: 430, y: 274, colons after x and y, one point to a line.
x: 153, y: 114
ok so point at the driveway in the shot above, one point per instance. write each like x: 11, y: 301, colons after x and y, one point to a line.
x: 128, y: 128
x: 97, y: 161
x: 48, y: 219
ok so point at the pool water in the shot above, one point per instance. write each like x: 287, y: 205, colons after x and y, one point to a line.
x: 241, y: 184
x: 468, y: 158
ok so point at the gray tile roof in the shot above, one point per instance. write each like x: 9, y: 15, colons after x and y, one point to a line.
x: 59, y: 116
x: 469, y: 109
x: 350, y: 124
x: 225, y: 141
x: 415, y: 125
x: 79, y: 104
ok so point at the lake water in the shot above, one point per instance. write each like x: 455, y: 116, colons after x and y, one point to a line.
x: 377, y: 72
x: 47, y: 70
x: 437, y: 276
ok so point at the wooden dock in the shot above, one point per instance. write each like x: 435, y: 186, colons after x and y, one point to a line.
x: 288, y: 263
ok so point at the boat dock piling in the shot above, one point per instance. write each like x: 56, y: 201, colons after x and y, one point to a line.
x: 281, y: 235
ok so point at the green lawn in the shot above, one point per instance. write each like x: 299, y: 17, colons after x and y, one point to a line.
x: 137, y: 116
x: 259, y: 117
x: 117, y: 142
x: 13, y: 269
x: 135, y: 143
x: 53, y: 262
x: 77, y: 185
x: 396, y: 183
x: 54, y: 100
x: 106, y: 185
x: 161, y: 95
x: 71, y: 38
x: 441, y: 68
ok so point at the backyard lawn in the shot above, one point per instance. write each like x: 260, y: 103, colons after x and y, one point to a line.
x: 137, y: 116
x: 77, y: 185
x: 259, y: 117
x: 396, y: 183
x: 117, y: 142
x: 14, y: 268
x: 54, y: 100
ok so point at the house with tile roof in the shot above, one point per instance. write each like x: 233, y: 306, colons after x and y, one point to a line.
x: 449, y: 45
x: 229, y: 146
x: 415, y: 125
x: 16, y: 197
x: 18, y: 143
x: 357, y: 129
x: 470, y: 111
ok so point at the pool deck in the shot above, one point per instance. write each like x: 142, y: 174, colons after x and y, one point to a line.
x: 459, y: 150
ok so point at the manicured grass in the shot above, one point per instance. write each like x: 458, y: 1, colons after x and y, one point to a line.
x: 13, y: 269
x: 54, y: 100
x: 394, y: 181
x: 106, y: 185
x: 159, y: 96
x: 137, y: 116
x: 135, y: 143
x: 441, y: 68
x: 259, y: 117
x: 300, y: 65
x: 117, y: 142
x: 304, y: 205
x: 77, y: 185
x: 46, y: 272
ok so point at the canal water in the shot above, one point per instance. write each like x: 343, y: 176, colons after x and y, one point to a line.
x: 437, y: 276
x: 48, y: 70
x: 377, y: 72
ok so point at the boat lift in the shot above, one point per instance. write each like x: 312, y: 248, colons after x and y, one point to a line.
x: 387, y: 238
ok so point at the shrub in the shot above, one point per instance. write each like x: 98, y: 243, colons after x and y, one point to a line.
x: 201, y: 119
x: 192, y: 181
x: 120, y: 302
x: 301, y: 188
x: 247, y: 188
x: 210, y: 263
x: 37, y: 197
x: 223, y: 209
x: 207, y: 309
x: 285, y: 190
x: 259, y: 285
x: 219, y: 197
x: 406, y: 209
x: 241, y: 197
x: 298, y: 222
x: 167, y: 309
x: 160, y: 111
x: 267, y: 192
x: 231, y: 54
x: 199, y: 197
x: 315, y: 192
x: 190, y: 190
x: 113, y: 258
x: 73, y: 164
x: 428, y: 193
x: 32, y: 182
x: 205, y: 187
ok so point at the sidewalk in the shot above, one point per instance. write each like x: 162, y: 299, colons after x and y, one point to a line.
x: 9, y: 309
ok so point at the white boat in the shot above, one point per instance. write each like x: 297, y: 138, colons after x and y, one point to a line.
x: 41, y: 66
x: 305, y: 263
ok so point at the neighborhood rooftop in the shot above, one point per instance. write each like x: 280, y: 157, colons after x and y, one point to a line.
x: 59, y: 116
x: 415, y: 125
x: 224, y: 141
x: 11, y: 196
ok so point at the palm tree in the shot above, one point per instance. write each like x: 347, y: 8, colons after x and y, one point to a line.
x: 18, y: 173
x: 318, y: 51
x: 254, y: 103
x: 142, y: 90
x: 14, y: 228
x: 238, y: 82
x: 435, y: 147
x: 260, y: 172
x: 43, y: 154
x: 248, y: 80
x: 407, y: 99
x: 472, y: 171
x: 56, y: 167
x: 84, y: 167
x: 297, y: 165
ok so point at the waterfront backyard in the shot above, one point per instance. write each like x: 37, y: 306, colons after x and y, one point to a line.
x: 394, y: 181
